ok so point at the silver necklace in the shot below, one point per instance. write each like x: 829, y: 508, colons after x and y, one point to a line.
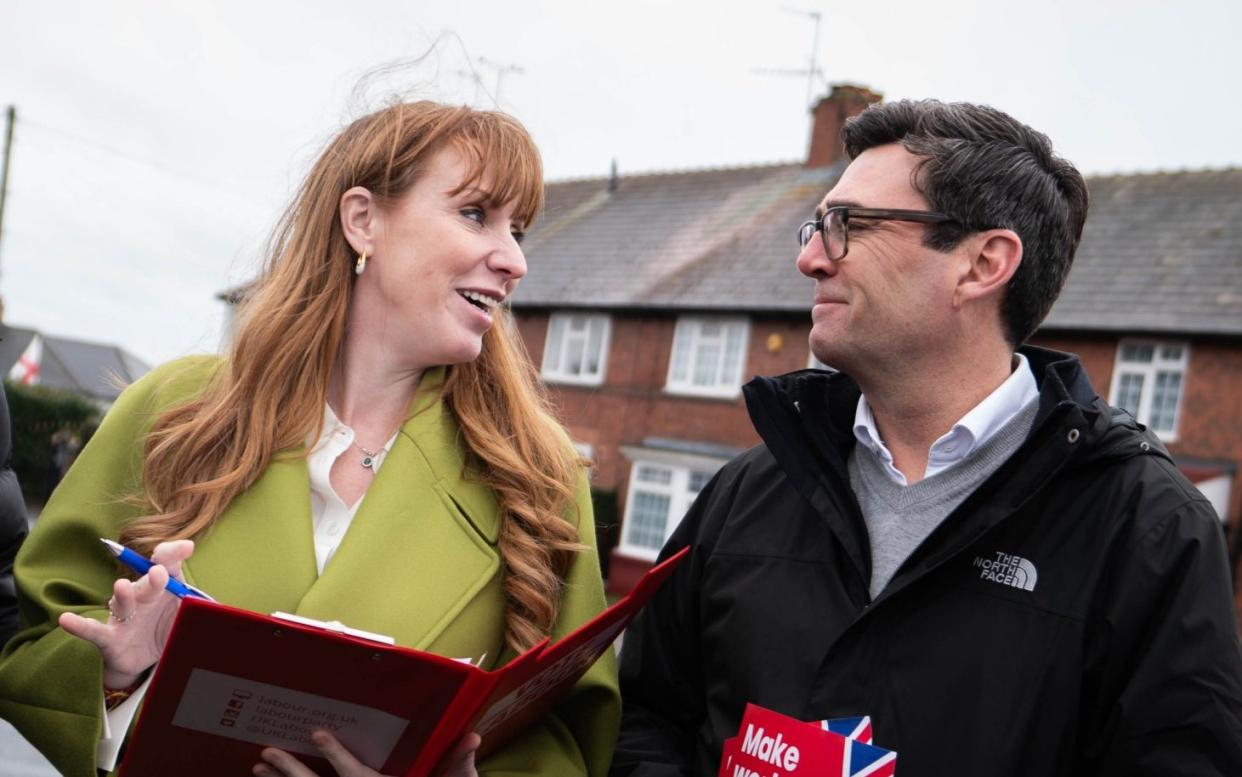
x: 368, y: 456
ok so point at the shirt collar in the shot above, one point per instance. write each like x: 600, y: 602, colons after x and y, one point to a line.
x: 974, y: 428
x: 332, y: 425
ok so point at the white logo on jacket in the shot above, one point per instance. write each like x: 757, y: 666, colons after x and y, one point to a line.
x: 1008, y: 569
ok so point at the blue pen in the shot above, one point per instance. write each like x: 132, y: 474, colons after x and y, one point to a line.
x: 141, y: 565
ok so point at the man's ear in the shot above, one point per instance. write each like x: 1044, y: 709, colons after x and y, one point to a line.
x: 359, y: 219
x: 991, y: 260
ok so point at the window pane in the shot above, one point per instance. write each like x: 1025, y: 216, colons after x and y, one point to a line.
x: 734, y: 347
x: 1164, y: 401
x: 709, y: 329
x: 682, y: 342
x: 697, y: 480
x: 1129, y: 392
x: 577, y: 323
x: 1137, y: 352
x: 1172, y: 353
x: 573, y: 354
x: 648, y: 517
x: 707, y: 363
x: 552, y: 353
x: 595, y: 339
x: 649, y: 474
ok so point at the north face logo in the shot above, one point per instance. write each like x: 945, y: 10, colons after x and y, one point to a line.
x: 1007, y: 569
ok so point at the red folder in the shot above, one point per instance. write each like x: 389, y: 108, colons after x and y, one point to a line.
x: 232, y: 682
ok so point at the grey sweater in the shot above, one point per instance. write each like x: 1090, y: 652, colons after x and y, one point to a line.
x: 900, y: 517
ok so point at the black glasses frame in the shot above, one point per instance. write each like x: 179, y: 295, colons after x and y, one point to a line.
x: 842, y: 214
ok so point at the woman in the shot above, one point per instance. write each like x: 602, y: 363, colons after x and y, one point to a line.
x: 373, y: 450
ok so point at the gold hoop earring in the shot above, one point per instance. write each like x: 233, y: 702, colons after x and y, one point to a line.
x: 361, y: 264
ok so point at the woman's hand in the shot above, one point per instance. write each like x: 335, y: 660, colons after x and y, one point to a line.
x: 277, y: 763
x: 141, y: 615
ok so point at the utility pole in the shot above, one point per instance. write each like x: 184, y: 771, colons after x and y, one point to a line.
x: 10, y: 120
x: 500, y: 70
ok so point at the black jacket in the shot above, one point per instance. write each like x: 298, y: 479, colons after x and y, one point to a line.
x: 13, y: 527
x: 1122, y: 659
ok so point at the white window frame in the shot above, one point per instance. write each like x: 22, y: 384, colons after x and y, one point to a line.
x: 680, y: 466
x: 1148, y: 370
x: 554, y: 358
x: 688, y: 334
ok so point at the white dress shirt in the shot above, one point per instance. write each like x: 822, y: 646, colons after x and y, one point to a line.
x: 974, y: 428
x: 330, y: 519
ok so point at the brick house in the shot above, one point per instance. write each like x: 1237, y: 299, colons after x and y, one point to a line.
x: 651, y: 299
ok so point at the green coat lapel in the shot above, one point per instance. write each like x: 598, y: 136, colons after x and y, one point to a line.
x: 420, y: 547
x: 260, y: 555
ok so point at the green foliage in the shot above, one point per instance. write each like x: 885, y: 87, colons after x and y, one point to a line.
x: 38, y: 413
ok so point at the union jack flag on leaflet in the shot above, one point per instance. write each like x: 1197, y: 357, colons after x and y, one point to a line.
x: 853, y: 728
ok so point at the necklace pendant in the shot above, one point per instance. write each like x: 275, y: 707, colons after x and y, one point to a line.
x: 368, y: 463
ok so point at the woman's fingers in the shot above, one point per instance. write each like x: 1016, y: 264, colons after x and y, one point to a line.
x: 460, y: 760
x: 124, y: 600
x: 171, y: 554
x: 280, y: 762
x: 341, y: 759
x: 151, y: 586
x: 88, y: 629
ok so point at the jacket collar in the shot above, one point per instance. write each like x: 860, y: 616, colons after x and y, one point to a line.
x: 806, y: 418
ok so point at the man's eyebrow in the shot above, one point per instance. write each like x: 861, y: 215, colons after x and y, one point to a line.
x: 826, y: 204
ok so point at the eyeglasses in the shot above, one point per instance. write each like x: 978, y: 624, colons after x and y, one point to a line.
x: 834, y: 225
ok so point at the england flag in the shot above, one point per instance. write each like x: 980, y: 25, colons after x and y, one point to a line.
x: 26, y: 371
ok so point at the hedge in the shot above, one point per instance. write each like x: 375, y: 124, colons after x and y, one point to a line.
x: 37, y: 413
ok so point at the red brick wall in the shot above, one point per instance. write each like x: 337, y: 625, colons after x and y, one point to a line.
x: 632, y: 405
x: 1096, y: 354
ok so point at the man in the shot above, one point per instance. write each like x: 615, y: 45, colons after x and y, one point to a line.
x: 952, y: 534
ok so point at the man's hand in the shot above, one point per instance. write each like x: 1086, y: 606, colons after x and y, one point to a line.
x: 277, y: 763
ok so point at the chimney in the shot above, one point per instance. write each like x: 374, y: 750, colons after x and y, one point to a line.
x: 828, y: 119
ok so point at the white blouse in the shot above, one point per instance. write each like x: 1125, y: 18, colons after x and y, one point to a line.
x: 330, y: 518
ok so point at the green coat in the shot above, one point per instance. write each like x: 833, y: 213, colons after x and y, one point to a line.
x: 419, y: 563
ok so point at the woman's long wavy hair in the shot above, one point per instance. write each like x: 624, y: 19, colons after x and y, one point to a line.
x: 269, y: 395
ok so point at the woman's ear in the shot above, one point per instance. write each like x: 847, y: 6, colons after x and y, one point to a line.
x: 359, y: 219
x: 994, y: 256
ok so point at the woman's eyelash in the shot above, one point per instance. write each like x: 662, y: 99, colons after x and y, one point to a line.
x: 479, y: 216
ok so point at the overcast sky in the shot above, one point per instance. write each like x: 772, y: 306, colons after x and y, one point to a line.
x: 157, y: 142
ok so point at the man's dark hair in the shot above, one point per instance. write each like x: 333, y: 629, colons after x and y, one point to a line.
x: 987, y: 170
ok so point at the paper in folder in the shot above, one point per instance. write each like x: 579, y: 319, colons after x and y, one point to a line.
x: 231, y: 682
